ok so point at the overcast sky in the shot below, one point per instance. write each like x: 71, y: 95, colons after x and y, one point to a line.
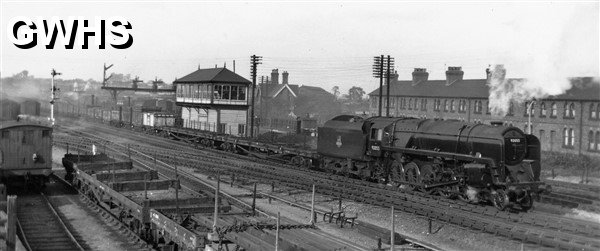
x: 321, y: 44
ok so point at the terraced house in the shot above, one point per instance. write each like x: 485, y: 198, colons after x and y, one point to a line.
x: 569, y: 122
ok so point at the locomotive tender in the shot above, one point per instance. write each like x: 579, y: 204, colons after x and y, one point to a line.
x: 474, y: 162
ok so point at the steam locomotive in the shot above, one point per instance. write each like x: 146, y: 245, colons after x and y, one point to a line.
x: 479, y: 163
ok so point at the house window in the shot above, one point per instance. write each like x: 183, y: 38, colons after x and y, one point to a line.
x: 597, y: 140
x: 543, y: 109
x: 593, y: 113
x: 572, y: 110
x: 569, y: 137
x: 592, y: 141
x: 554, y: 110
x: 462, y: 106
x: 552, y: 136
x: 529, y: 110
x: 478, y: 107
x: 542, y: 134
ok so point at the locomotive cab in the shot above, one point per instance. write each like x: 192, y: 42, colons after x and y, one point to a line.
x: 380, y: 134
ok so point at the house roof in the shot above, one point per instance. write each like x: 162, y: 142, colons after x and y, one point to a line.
x: 273, y: 90
x: 313, y: 91
x: 213, y: 75
x: 584, y: 88
x: 279, y: 88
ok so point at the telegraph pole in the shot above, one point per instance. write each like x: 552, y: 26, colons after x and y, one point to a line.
x: 390, y: 63
x: 53, y: 95
x: 378, y: 73
x: 254, y: 60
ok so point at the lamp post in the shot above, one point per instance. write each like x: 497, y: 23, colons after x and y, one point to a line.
x: 529, y: 107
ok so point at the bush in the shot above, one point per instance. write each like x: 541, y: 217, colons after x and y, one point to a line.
x: 569, y: 161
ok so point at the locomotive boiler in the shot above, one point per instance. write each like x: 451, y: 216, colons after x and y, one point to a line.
x: 475, y: 162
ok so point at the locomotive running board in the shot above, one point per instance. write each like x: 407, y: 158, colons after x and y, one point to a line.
x: 486, y: 160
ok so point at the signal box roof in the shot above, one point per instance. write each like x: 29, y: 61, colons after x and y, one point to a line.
x: 212, y: 75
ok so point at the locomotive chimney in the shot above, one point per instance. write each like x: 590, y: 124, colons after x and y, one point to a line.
x: 275, y: 76
x: 454, y: 74
x: 284, y: 77
x: 419, y: 75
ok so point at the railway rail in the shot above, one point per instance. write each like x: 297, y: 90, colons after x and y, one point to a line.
x: 42, y: 226
x: 546, y: 231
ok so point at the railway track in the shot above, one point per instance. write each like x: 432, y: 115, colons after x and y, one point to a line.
x: 316, y: 241
x: 42, y: 226
x: 544, y: 231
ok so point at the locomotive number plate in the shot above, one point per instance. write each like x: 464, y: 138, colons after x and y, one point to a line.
x: 515, y: 140
x: 375, y: 148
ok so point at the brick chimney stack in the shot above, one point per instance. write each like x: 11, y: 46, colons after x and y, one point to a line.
x: 284, y: 77
x: 275, y: 76
x: 454, y: 74
x: 420, y: 75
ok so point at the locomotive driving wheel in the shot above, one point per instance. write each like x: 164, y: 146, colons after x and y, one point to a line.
x: 500, y: 199
x: 428, y: 174
x: 379, y: 173
x: 396, y: 173
x: 412, y: 175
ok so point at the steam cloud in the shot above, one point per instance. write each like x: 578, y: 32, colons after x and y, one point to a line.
x: 547, y: 59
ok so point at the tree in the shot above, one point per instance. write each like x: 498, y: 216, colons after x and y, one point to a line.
x: 355, y: 94
x: 336, y: 91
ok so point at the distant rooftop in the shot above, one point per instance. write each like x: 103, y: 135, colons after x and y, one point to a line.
x: 583, y: 88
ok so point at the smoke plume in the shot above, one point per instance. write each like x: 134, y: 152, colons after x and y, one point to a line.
x: 547, y: 56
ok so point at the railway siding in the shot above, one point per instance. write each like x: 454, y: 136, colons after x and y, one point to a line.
x: 171, y: 228
x: 493, y: 225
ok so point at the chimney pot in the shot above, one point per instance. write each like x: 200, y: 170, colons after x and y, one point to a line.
x: 275, y: 76
x: 420, y: 75
x: 284, y: 77
x: 454, y: 74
